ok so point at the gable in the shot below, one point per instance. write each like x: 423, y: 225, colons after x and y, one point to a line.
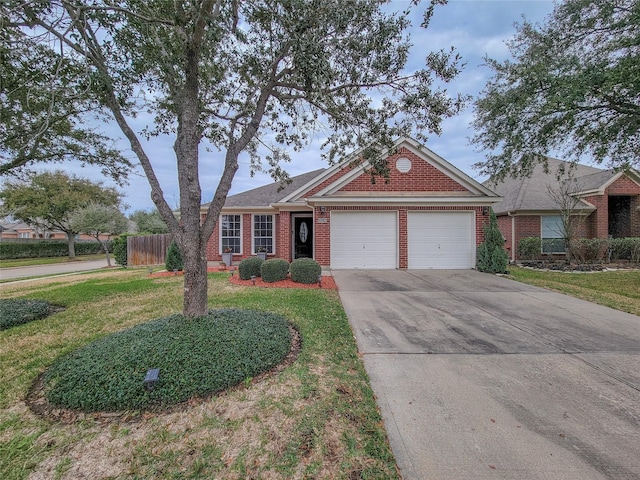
x: 422, y: 176
x: 414, y: 171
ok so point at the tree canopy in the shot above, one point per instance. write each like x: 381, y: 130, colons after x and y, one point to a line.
x: 149, y: 222
x: 46, y: 200
x: 571, y: 88
x: 100, y: 222
x: 262, y: 77
x: 45, y: 107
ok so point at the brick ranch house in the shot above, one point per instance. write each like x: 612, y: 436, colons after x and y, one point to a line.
x: 609, y: 205
x: 428, y: 215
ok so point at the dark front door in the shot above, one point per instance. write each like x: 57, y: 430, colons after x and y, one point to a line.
x: 303, y: 237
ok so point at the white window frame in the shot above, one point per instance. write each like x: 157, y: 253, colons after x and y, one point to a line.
x: 272, y: 236
x: 24, y: 235
x: 220, y: 223
x: 551, y: 232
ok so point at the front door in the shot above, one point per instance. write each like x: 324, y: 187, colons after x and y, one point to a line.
x: 303, y: 237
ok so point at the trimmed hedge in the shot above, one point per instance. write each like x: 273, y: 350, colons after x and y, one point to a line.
x: 196, y: 357
x: 274, y: 270
x: 250, y: 267
x: 46, y: 248
x: 305, y: 270
x: 16, y: 311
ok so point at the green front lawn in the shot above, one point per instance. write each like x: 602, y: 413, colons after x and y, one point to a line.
x: 314, y: 418
x: 616, y: 289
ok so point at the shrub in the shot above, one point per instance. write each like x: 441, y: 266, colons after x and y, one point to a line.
x: 589, y: 250
x: 15, y: 311
x: 492, y: 257
x: 274, y: 270
x: 627, y: 248
x: 197, y: 357
x: 173, y: 261
x: 305, y: 270
x: 250, y: 267
x: 119, y: 246
x: 529, y: 248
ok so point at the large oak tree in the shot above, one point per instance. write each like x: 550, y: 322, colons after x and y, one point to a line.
x: 263, y: 77
x: 571, y: 89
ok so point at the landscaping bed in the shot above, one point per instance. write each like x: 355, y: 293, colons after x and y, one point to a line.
x: 574, y: 267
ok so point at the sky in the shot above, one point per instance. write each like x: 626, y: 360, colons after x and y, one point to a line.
x: 476, y: 28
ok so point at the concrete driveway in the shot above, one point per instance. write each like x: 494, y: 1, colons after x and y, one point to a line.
x: 480, y: 377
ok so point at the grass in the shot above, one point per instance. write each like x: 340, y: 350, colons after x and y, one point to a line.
x: 316, y: 418
x: 615, y: 289
x: 27, y: 262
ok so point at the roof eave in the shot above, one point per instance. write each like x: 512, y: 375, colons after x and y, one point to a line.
x: 400, y: 201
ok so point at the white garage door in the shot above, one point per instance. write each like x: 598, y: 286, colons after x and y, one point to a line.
x: 441, y: 240
x: 364, y: 239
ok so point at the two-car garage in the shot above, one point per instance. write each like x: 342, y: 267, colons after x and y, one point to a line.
x: 371, y: 239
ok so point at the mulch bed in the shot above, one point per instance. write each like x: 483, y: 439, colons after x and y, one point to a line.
x: 328, y: 283
x: 584, y: 267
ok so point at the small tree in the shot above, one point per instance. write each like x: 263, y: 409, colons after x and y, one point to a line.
x: 173, y: 262
x: 149, y: 222
x: 565, y: 196
x: 100, y: 222
x: 492, y: 257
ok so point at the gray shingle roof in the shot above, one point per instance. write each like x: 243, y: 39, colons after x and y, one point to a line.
x: 268, y: 194
x: 531, y: 193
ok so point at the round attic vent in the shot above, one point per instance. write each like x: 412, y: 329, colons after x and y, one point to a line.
x: 403, y: 164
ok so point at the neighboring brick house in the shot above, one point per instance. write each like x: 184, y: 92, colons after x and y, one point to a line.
x: 24, y: 231
x: 428, y: 215
x: 609, y: 205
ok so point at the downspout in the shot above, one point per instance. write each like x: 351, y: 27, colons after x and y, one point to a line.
x: 513, y: 237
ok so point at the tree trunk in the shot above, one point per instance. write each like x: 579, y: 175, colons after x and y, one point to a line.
x: 105, y: 247
x: 195, y: 278
x: 71, y: 245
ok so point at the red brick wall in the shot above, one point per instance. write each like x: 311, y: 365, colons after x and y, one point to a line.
x: 504, y: 224
x: 283, y: 240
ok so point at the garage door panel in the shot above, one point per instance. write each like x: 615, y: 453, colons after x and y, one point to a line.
x: 364, y: 240
x: 441, y: 240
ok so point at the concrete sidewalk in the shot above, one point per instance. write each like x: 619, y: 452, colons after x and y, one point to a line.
x: 480, y: 377
x: 52, y: 269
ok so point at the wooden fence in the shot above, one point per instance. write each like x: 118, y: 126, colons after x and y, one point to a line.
x: 147, y: 250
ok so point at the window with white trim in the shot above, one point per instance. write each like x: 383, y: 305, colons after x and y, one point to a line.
x: 231, y: 233
x: 552, y: 234
x: 263, y: 240
x: 24, y: 235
